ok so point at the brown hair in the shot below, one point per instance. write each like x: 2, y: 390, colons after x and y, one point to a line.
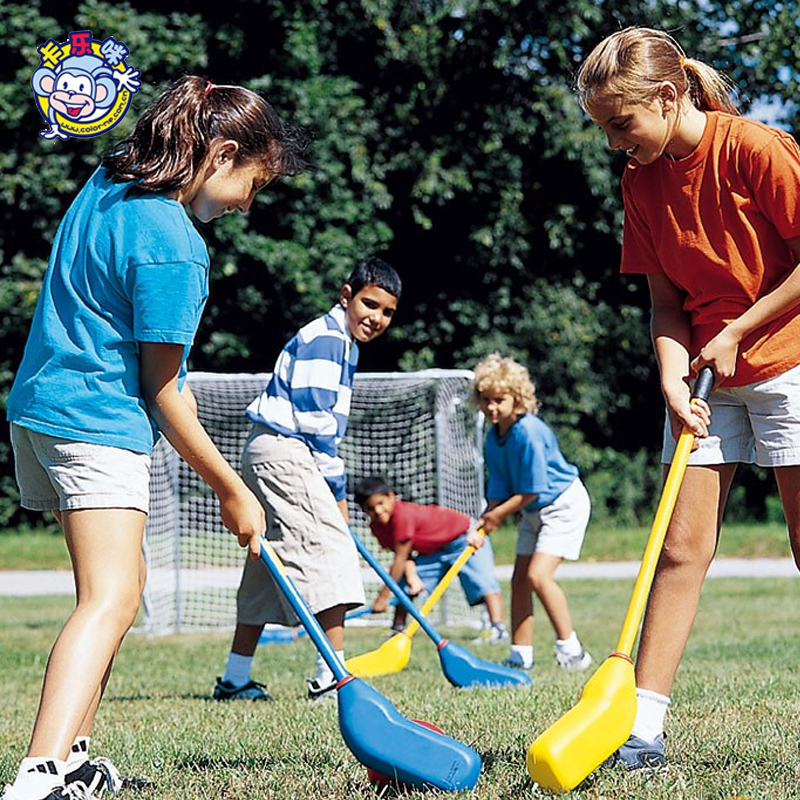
x: 632, y: 63
x: 496, y: 373
x: 173, y: 136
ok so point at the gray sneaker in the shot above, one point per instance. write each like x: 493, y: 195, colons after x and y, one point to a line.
x: 495, y: 634
x: 225, y: 690
x: 636, y: 753
x: 574, y: 663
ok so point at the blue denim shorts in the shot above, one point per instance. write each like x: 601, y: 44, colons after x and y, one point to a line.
x: 477, y: 576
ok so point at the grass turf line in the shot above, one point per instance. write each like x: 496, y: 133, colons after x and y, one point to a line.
x: 36, y: 549
x: 732, y: 725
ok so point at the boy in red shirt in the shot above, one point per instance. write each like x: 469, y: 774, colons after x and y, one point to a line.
x: 426, y: 540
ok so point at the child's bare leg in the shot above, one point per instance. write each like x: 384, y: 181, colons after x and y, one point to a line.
x: 688, y: 550
x: 332, y: 622
x: 245, y: 639
x: 521, y: 603
x: 788, y: 480
x: 105, y: 547
x: 88, y: 722
x: 541, y: 573
x: 494, y: 607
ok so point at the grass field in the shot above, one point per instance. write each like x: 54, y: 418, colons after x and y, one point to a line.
x: 40, y: 549
x: 733, y: 725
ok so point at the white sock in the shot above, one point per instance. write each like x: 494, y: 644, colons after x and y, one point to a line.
x: 571, y: 646
x: 38, y: 776
x: 324, y: 673
x: 237, y: 669
x: 650, y: 712
x: 79, y: 752
x: 523, y: 653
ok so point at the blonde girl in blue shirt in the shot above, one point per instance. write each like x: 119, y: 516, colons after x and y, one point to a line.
x: 102, y: 377
x: 529, y: 476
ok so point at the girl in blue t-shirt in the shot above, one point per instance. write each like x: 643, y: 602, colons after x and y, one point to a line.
x: 528, y: 474
x: 103, y: 373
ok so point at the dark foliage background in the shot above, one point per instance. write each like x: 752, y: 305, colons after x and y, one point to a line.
x: 447, y: 139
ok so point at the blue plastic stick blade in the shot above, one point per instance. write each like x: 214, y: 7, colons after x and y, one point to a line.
x: 463, y: 668
x: 381, y: 738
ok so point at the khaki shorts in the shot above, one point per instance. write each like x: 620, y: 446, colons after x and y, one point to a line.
x: 759, y: 423
x: 306, y: 528
x: 557, y: 529
x: 54, y: 473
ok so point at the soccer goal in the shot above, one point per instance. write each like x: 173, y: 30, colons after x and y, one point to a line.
x: 418, y: 430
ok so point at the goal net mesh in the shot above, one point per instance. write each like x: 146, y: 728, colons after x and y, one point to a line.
x: 418, y: 430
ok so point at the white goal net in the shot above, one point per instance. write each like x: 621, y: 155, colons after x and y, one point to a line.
x: 417, y: 430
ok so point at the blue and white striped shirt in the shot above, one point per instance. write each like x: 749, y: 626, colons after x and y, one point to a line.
x: 308, y: 396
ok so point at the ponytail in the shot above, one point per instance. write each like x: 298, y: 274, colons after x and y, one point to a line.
x: 709, y: 90
x: 173, y: 136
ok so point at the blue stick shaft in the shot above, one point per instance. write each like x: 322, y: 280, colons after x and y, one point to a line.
x: 310, y: 622
x: 401, y: 596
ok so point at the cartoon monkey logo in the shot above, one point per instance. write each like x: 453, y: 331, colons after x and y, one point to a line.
x: 83, y: 87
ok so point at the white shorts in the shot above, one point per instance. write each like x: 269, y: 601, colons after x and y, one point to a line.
x: 306, y: 528
x: 54, y: 473
x: 557, y: 529
x: 759, y: 423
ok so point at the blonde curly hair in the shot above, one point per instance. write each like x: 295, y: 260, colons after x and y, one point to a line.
x: 503, y: 375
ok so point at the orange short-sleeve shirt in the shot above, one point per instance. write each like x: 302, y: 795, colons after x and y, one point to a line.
x: 715, y: 224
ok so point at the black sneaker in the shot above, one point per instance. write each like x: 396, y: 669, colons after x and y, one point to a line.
x: 318, y: 693
x: 225, y: 690
x: 73, y: 791
x: 99, y: 775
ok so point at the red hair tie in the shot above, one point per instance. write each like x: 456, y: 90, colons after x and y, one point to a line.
x: 209, y: 87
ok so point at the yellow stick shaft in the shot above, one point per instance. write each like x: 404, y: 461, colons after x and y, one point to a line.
x: 644, y: 579
x: 441, y: 587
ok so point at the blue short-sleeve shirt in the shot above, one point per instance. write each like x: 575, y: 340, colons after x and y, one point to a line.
x: 526, y: 460
x: 125, y: 268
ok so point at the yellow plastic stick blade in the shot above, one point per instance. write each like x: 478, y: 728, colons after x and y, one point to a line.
x: 576, y: 744
x: 392, y: 656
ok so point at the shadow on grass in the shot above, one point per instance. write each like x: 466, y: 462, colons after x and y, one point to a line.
x: 203, y: 764
x: 134, y: 698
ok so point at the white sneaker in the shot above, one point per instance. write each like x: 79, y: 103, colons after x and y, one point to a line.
x: 318, y: 693
x: 99, y: 775
x: 573, y: 663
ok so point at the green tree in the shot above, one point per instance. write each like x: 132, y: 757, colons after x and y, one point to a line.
x: 448, y: 139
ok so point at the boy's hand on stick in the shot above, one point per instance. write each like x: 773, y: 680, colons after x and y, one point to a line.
x: 476, y: 538
x: 380, y: 604
x: 244, y: 517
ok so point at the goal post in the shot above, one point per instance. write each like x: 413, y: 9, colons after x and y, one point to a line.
x: 418, y: 430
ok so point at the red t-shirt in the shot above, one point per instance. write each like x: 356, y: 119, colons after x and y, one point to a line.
x: 715, y: 224
x: 430, y: 528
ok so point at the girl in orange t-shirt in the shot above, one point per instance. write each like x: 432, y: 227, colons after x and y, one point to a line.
x: 712, y: 218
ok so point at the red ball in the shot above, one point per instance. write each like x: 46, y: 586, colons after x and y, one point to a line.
x: 379, y: 779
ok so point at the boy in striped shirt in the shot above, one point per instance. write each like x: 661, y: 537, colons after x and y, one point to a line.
x: 292, y: 464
